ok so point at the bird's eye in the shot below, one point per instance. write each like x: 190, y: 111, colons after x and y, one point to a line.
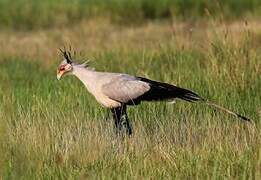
x: 62, y: 68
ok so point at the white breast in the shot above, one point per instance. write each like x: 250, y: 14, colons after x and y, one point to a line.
x: 106, y: 102
x: 93, y: 82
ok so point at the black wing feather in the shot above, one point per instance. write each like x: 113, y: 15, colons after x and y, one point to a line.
x: 163, y: 91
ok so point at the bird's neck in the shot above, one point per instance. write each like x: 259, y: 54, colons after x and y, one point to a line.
x: 87, y: 76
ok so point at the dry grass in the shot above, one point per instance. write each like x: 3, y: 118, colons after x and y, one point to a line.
x: 99, y: 35
x: 55, y: 130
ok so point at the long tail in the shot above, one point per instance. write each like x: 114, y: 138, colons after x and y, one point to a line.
x: 163, y: 91
x: 191, y: 97
x: 226, y: 110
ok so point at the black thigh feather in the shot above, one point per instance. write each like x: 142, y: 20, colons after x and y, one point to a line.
x: 162, y: 91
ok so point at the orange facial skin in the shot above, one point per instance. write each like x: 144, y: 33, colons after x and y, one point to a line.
x: 60, y: 72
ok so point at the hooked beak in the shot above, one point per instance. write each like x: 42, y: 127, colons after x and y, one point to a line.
x: 59, y: 74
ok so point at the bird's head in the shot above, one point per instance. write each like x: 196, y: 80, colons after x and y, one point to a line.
x: 66, y: 66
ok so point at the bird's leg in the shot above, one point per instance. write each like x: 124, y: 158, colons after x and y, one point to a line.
x: 117, y: 114
x: 107, y: 116
x: 127, y: 123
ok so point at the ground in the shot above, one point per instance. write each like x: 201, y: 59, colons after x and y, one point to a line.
x: 55, y: 130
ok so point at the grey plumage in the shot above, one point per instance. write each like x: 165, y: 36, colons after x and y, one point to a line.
x: 117, y: 90
x: 125, y: 88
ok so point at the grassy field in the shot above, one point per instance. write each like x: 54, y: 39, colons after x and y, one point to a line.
x: 37, y: 14
x: 53, y: 129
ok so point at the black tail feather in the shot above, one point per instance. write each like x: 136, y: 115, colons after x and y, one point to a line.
x: 163, y: 91
x: 227, y: 110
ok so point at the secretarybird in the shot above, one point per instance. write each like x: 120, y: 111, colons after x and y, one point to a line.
x: 116, y: 90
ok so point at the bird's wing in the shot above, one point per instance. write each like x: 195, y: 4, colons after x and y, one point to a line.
x: 125, y: 88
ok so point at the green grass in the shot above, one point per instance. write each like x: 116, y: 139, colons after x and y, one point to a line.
x: 36, y: 14
x: 55, y: 130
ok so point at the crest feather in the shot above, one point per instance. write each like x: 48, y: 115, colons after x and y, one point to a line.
x: 67, y: 55
x: 69, y: 59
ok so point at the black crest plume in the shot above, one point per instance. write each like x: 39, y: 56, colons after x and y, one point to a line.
x: 67, y: 55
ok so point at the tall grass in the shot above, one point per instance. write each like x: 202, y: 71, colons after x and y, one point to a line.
x: 55, y: 130
x: 35, y: 14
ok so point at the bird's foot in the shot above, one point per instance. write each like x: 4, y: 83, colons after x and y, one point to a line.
x: 127, y: 128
